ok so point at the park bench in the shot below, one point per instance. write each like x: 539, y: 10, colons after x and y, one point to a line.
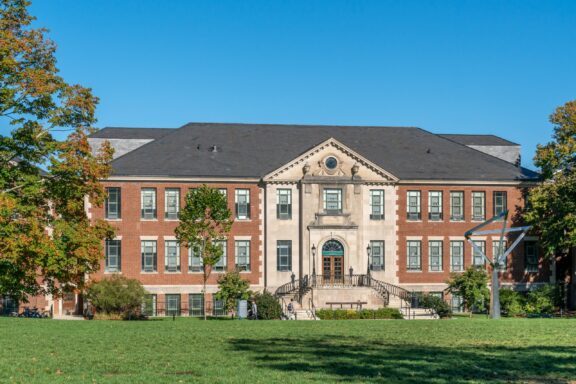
x: 358, y: 304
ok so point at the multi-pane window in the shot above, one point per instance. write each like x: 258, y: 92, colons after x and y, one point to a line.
x: 456, y: 256
x: 457, y: 206
x: 500, y: 202
x: 173, y: 305
x: 413, y: 206
x: 223, y: 191
x: 149, y: 305
x: 172, y: 256
x: 218, y: 308
x: 414, y: 262
x: 149, y: 255
x: 242, y: 204
x: 172, y: 203
x: 457, y: 303
x: 113, y: 256
x: 243, y: 255
x: 435, y: 255
x: 220, y: 266
x: 477, y: 258
x: 196, y: 304
x: 435, y: 205
x: 531, y: 256
x: 478, y: 206
x: 332, y: 200
x: 113, y: 203
x: 376, y: 204
x: 284, y: 255
x: 194, y: 260
x: 497, y: 252
x: 148, y: 203
x: 377, y: 255
x: 284, y: 204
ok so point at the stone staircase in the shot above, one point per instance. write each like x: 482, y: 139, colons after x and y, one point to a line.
x: 391, y: 295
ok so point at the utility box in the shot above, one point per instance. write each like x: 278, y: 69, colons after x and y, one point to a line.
x: 242, y: 311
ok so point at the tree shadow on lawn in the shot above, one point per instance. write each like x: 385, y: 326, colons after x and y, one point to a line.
x: 353, y: 359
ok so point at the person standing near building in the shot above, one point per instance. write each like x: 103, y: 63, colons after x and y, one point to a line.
x: 254, y: 310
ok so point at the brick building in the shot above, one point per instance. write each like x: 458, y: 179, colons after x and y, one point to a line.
x: 318, y: 209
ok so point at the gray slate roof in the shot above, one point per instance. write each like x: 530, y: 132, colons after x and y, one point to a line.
x: 478, y: 139
x: 254, y: 150
x: 131, y: 133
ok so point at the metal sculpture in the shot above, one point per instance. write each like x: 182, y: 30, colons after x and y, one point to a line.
x: 497, y: 260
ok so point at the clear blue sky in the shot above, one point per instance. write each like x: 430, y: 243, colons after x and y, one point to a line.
x: 486, y: 67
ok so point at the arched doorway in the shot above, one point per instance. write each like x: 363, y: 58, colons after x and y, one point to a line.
x: 333, y: 261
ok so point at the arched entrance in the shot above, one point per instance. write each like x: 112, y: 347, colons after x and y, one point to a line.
x: 333, y: 261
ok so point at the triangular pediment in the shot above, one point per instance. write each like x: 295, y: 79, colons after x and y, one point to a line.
x: 331, y: 159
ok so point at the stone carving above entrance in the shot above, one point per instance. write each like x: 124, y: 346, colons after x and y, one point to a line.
x: 331, y: 159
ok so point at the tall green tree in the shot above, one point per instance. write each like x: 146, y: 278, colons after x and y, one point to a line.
x: 552, y: 204
x: 47, y: 242
x: 204, y: 220
x: 472, y: 286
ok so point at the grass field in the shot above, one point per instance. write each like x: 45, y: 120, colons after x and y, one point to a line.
x: 194, y: 351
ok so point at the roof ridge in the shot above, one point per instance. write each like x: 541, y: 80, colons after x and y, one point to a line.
x: 298, y: 125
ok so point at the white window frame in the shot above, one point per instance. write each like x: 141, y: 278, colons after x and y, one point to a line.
x: 435, y: 205
x: 332, y: 198
x: 222, y: 263
x: 115, y: 245
x: 414, y: 255
x: 476, y: 207
x: 377, y: 208
x: 242, y: 203
x: 477, y: 259
x: 148, y: 204
x: 145, y: 247
x: 502, y: 205
x: 194, y: 260
x: 113, y: 206
x: 377, y: 252
x: 284, y: 255
x: 171, y: 203
x: 457, y: 195
x: 283, y: 204
x: 435, y: 255
x: 171, y: 256
x: 413, y: 205
x: 456, y: 267
x: 242, y: 255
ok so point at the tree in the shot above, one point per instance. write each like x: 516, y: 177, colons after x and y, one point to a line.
x: 231, y: 288
x: 117, y: 295
x: 47, y: 243
x: 552, y: 204
x: 268, y: 306
x: 204, y: 220
x: 472, y: 286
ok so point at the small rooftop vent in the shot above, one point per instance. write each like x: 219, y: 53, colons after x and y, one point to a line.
x: 215, y: 149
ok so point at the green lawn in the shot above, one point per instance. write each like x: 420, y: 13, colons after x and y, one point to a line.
x: 194, y: 351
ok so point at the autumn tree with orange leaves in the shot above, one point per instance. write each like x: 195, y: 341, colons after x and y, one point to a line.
x: 47, y: 242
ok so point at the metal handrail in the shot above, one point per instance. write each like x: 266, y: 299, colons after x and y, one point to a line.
x: 300, y: 287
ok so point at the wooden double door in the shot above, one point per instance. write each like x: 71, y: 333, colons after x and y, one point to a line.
x: 333, y: 269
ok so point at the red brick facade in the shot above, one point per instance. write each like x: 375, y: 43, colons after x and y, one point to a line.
x: 130, y: 227
x: 445, y: 229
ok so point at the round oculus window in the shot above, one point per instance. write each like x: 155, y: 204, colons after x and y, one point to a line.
x: 331, y: 162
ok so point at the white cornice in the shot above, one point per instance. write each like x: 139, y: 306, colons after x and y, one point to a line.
x: 468, y: 182
x: 169, y: 179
